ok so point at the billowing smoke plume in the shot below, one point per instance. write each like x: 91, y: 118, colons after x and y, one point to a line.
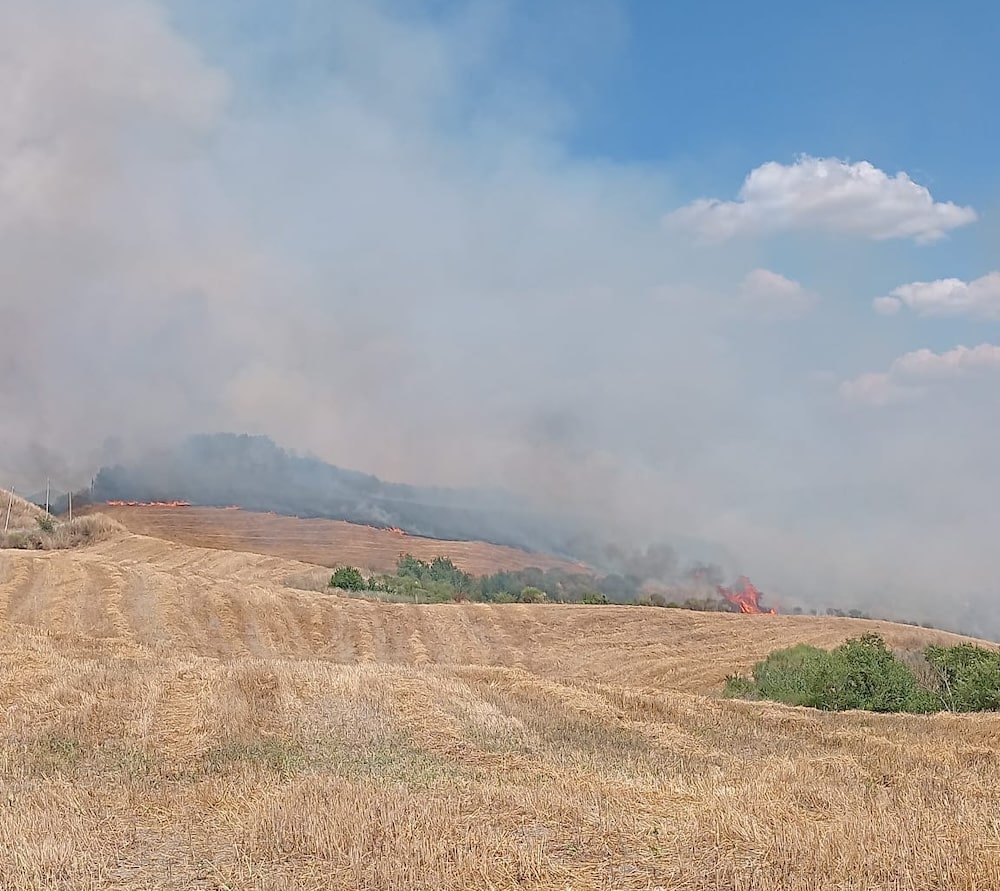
x: 387, y: 234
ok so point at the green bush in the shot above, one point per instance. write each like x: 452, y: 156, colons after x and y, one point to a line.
x: 862, y: 673
x: 348, y: 578
x: 594, y: 598
x: 440, y: 593
x: 739, y: 687
x: 502, y: 597
x: 408, y: 566
x: 46, y: 524
x: 531, y: 595
x: 441, y: 578
x: 790, y: 676
x: 969, y: 677
x: 868, y: 675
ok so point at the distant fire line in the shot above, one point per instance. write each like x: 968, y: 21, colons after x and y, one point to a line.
x: 743, y: 595
x: 393, y: 529
x: 149, y: 503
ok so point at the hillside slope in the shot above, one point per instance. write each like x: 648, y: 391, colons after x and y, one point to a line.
x: 16, y: 513
x: 213, y: 470
x: 325, y: 542
x: 178, y: 717
x: 218, y: 603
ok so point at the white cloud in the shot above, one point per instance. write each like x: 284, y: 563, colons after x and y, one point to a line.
x: 911, y: 374
x: 825, y: 194
x: 770, y: 293
x: 886, y: 306
x: 979, y: 299
x: 874, y: 388
x: 928, y: 365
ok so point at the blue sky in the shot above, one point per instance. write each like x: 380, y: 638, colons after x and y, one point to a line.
x: 909, y: 84
x: 724, y: 272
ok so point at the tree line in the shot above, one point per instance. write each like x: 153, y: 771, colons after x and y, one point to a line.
x: 440, y: 580
x: 864, y: 673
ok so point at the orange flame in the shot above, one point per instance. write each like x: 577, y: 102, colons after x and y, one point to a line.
x: 746, y: 597
x: 394, y: 529
x: 149, y: 503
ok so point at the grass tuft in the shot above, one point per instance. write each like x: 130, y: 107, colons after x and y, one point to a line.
x: 51, y: 535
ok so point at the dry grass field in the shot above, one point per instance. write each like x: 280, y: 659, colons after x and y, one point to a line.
x: 175, y: 717
x: 16, y: 513
x: 23, y: 525
x: 326, y: 542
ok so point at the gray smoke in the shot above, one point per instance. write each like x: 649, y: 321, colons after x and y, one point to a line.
x: 254, y: 473
x: 375, y: 232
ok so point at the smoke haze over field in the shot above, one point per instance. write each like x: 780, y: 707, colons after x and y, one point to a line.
x: 254, y: 473
x: 391, y: 236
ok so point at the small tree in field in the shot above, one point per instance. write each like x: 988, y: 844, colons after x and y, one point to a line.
x: 532, y: 595
x: 594, y: 598
x: 348, y: 578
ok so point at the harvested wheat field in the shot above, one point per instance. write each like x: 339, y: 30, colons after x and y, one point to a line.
x: 176, y: 717
x: 326, y: 542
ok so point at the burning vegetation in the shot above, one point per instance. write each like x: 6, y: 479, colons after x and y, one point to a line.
x: 745, y: 597
x: 440, y: 580
x: 149, y: 503
x: 645, y: 576
x: 701, y: 588
x: 253, y: 473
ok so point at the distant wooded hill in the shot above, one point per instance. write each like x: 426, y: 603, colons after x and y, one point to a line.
x: 254, y: 473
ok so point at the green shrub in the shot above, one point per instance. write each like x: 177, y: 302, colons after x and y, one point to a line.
x: 46, y: 524
x: 531, y: 595
x: 348, y: 578
x: 862, y: 673
x: 594, y: 598
x: 969, y: 677
x: 438, y: 592
x: 792, y: 675
x: 652, y: 599
x: 408, y: 566
x: 867, y: 675
x: 738, y: 687
x: 502, y: 597
x: 441, y: 578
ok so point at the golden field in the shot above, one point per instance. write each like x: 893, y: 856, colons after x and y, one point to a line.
x: 177, y: 717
